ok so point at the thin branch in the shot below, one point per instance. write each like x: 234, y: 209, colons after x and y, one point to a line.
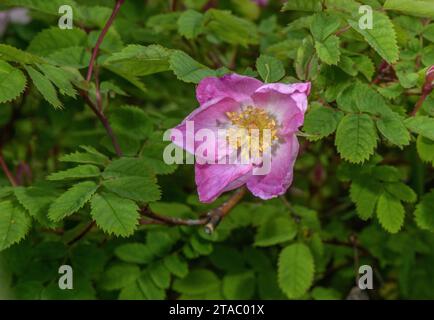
x: 82, y: 233
x: 420, y: 102
x: 6, y: 171
x: 97, y: 90
x: 426, y: 91
x: 101, y: 38
x: 216, y: 215
x: 210, y: 220
x: 343, y: 30
x: 104, y: 122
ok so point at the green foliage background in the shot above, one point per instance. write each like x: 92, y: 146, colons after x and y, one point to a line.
x: 362, y: 186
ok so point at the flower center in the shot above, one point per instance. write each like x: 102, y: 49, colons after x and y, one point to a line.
x: 249, y: 122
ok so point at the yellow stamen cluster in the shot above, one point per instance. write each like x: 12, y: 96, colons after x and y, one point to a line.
x: 252, y: 118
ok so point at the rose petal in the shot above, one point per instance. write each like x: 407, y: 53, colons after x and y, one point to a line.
x: 211, y: 116
x: 213, y: 180
x: 287, y: 103
x: 278, y: 180
x: 237, y: 87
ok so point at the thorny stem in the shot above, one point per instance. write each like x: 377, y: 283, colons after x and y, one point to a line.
x: 6, y: 171
x: 101, y: 38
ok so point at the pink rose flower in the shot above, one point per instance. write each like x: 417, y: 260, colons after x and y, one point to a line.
x: 233, y: 102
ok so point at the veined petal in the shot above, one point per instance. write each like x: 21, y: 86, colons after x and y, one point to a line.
x: 213, y: 180
x: 211, y: 116
x: 237, y: 87
x: 278, y: 180
x: 286, y: 102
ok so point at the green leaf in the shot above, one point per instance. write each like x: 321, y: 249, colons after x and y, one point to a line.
x: 360, y: 97
x: 112, y: 41
x: 323, y: 25
x: 135, y: 253
x: 418, y: 8
x: 424, y: 213
x: 196, y: 282
x: 176, y: 265
x: 80, y: 172
x: 119, y: 276
x: 125, y: 166
x: 328, y: 50
x: 89, y: 156
x: 425, y: 149
x: 160, y: 275
x: 401, y: 191
x: 190, y: 24
x: 382, y: 36
x: 61, y: 78
x: 320, y: 122
x: 14, y: 224
x: 160, y: 242
x: 306, y: 61
x: 393, y: 129
x: 201, y: 246
x: 422, y: 125
x: 320, y: 293
x: 74, y: 57
x: 72, y: 200
x: 365, y: 66
x: 36, y: 200
x: 302, y: 5
x: 115, y: 215
x: 12, y: 82
x: 295, y: 270
x: 386, y: 173
x: 132, y: 291
x: 131, y: 121
x: 137, y: 60
x: 148, y: 287
x: 269, y: 68
x: 239, y: 286
x: 164, y: 22
x: 356, y: 137
x: 132, y: 178
x: 52, y: 39
x: 364, y: 193
x: 135, y: 188
x: 390, y: 212
x: 187, y: 69
x: 45, y: 87
x: 348, y: 65
x: 230, y: 28
x: 10, y: 53
x: 274, y: 231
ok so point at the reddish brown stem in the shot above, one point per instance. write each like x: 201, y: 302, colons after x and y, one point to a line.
x: 343, y: 30
x: 104, y: 122
x: 6, y: 171
x: 426, y: 91
x: 82, y: 233
x: 210, y: 221
x: 97, y: 91
x: 101, y: 38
